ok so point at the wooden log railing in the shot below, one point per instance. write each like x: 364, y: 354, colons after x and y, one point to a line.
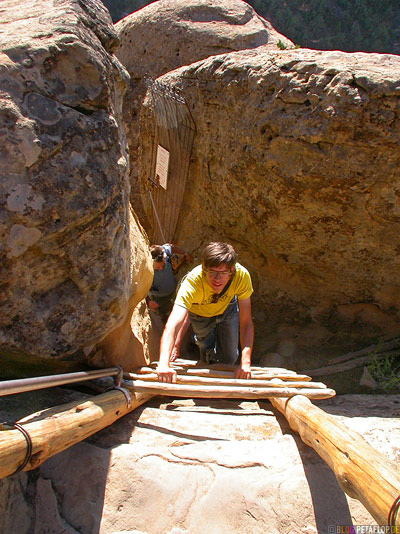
x: 361, y: 471
x: 58, y: 428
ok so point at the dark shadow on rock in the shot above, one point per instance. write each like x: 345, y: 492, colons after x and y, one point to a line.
x: 330, y: 505
x: 80, y: 506
x: 47, y: 492
x: 15, y: 407
x: 213, y: 405
x: 168, y: 431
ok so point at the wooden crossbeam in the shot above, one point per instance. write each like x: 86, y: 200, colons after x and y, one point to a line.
x: 226, y: 392
x: 230, y: 381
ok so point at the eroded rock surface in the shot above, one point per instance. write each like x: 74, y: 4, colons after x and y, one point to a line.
x: 296, y: 163
x: 167, y: 34
x: 194, y: 466
x: 74, y: 261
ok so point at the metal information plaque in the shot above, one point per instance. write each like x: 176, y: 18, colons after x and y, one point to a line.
x: 162, y: 163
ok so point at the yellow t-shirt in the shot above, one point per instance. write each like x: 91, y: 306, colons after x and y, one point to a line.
x: 195, y: 294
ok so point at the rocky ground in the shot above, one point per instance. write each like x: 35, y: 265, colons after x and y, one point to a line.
x: 191, y: 466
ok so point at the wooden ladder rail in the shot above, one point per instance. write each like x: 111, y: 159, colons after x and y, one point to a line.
x: 56, y: 429
x: 361, y: 471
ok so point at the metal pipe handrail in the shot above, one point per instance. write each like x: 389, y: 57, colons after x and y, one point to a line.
x: 9, y: 387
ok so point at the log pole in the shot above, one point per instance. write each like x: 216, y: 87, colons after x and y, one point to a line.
x: 54, y: 430
x: 361, y: 471
x: 216, y: 373
x: 246, y: 382
x: 226, y: 392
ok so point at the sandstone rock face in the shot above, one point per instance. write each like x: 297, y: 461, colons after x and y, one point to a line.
x: 74, y: 261
x: 167, y: 34
x: 296, y: 163
x: 184, y: 466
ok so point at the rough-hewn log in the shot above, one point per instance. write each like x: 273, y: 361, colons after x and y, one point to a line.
x: 216, y: 373
x: 226, y: 392
x: 54, y: 430
x: 255, y: 376
x: 192, y: 379
x: 348, y: 365
x: 339, y: 368
x: 362, y: 472
x: 371, y: 350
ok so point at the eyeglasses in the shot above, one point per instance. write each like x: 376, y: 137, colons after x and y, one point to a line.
x: 219, y: 274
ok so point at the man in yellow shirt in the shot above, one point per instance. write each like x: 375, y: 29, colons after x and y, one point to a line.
x: 215, y: 298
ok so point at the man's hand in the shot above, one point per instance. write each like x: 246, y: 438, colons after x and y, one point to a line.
x: 168, y: 341
x: 166, y: 374
x: 244, y: 371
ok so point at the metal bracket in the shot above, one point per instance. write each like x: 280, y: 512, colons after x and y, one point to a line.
x: 118, y: 377
x: 117, y: 385
x: 394, y: 510
x: 28, y: 456
x: 124, y: 391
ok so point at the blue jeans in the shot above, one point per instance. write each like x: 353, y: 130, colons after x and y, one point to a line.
x: 218, y: 337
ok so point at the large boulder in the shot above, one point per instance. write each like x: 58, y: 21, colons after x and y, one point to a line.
x: 167, y: 34
x: 296, y: 163
x: 74, y: 260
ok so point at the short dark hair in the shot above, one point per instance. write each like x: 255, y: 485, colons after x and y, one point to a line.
x: 157, y: 253
x: 217, y: 253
